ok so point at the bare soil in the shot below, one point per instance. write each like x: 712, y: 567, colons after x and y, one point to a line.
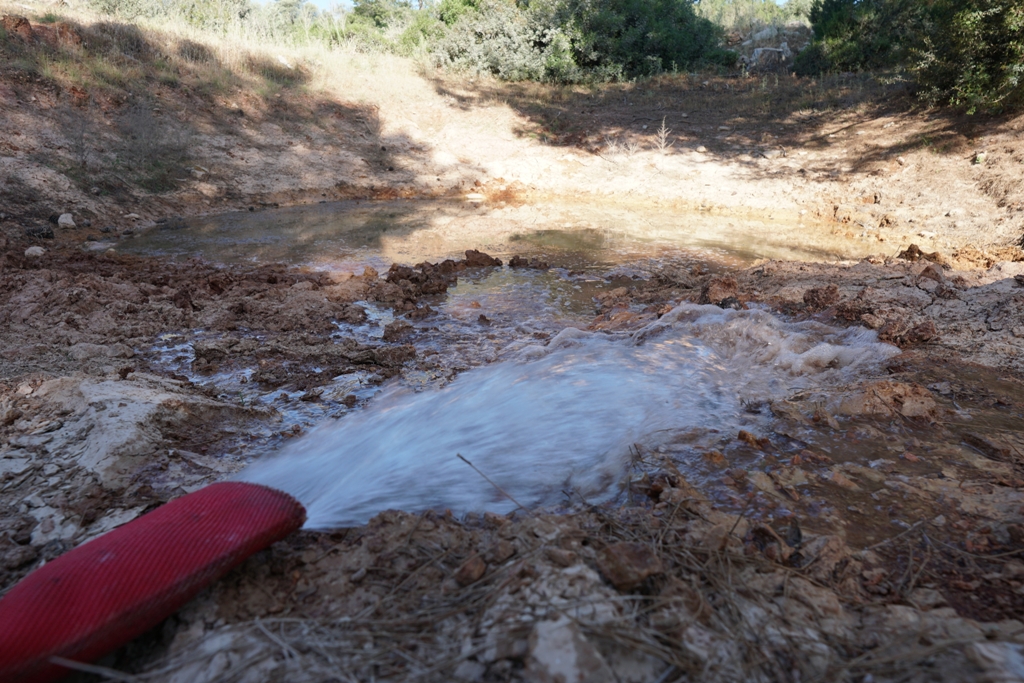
x: 877, y: 531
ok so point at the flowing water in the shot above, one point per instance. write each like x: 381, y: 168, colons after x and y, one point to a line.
x: 559, y: 420
x: 545, y: 423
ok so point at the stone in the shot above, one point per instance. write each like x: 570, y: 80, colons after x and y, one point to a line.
x: 19, y: 556
x: 471, y: 571
x: 17, y: 26
x: 933, y: 272
x: 397, y: 331
x: 469, y: 670
x: 922, y: 333
x: 563, y: 558
x: 34, y: 252
x: 559, y: 653
x: 478, y: 259
x: 86, y: 351
x: 889, y: 398
x: 842, y: 481
x: 767, y: 58
x: 66, y: 220
x: 627, y: 565
x: 717, y: 289
x: 820, y: 298
x: 1001, y: 662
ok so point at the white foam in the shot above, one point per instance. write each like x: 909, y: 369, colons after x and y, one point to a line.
x: 558, y: 417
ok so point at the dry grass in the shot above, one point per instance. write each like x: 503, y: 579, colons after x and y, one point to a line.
x: 719, y: 612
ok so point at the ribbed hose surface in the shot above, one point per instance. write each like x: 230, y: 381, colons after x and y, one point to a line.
x: 105, y: 592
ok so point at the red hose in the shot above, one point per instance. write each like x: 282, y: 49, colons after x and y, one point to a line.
x: 105, y: 592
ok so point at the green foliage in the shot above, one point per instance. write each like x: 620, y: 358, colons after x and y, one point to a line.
x: 562, y: 41
x: 450, y: 11
x: 746, y: 15
x: 500, y: 40
x: 571, y: 41
x: 858, y: 35
x: 975, y: 57
x: 381, y: 13
x: 419, y: 34
x: 966, y: 53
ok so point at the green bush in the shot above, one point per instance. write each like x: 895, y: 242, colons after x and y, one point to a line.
x: 748, y: 15
x: 422, y: 30
x: 450, y: 11
x: 975, y: 57
x: 498, y: 39
x: 571, y: 41
x: 965, y: 53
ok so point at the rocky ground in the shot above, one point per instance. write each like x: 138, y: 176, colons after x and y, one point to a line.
x: 875, y: 532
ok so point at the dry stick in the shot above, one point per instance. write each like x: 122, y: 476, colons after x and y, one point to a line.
x: 896, y: 537
x: 288, y: 649
x: 112, y: 674
x: 501, y: 490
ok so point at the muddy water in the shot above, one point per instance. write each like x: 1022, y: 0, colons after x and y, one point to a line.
x: 340, y: 235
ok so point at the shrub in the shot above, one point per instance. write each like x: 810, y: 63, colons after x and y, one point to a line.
x: 965, y: 53
x: 975, y: 56
x: 497, y: 39
x: 571, y: 41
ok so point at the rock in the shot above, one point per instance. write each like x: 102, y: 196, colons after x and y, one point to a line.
x: 716, y: 458
x: 66, y: 221
x: 842, y: 481
x: 924, y: 332
x: 86, y: 351
x: 701, y: 149
x: 768, y: 542
x: 627, y: 565
x: 563, y: 558
x: 19, y: 556
x: 559, y: 653
x: 914, y: 253
x: 534, y: 263
x: 926, y: 598
x: 9, y: 411
x: 471, y: 571
x: 767, y: 58
x: 478, y: 259
x: 469, y: 670
x: 1001, y: 662
x: 890, y: 398
x: 500, y: 551
x: 933, y: 272
x: 819, y: 298
x: 397, y: 331
x: 17, y: 26
x: 34, y: 252
x: 717, y: 289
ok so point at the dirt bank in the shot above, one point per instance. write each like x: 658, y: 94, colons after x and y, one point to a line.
x: 206, y: 130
